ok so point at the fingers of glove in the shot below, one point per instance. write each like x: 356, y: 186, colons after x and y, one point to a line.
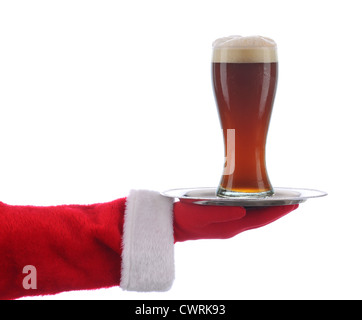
x: 203, y: 214
x: 254, y: 218
x: 258, y: 217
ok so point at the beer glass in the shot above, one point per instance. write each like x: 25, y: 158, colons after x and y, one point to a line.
x: 244, y: 73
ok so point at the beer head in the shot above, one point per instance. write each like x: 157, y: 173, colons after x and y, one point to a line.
x: 238, y: 49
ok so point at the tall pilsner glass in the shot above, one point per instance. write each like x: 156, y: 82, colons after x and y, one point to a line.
x: 244, y: 72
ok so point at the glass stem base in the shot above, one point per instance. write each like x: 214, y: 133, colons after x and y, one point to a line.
x: 224, y: 193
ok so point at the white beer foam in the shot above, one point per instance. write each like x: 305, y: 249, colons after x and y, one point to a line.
x: 238, y: 49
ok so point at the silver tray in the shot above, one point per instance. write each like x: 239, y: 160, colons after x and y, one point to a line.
x: 207, y: 196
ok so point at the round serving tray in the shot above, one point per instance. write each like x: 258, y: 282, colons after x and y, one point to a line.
x: 207, y: 196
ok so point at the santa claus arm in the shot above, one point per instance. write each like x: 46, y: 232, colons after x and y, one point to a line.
x: 47, y: 250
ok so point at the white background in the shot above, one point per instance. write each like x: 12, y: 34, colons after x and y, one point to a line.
x: 99, y: 97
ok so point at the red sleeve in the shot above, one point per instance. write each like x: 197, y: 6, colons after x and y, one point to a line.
x: 59, y: 248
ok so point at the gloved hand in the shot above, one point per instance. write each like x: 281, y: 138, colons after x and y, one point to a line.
x: 192, y: 221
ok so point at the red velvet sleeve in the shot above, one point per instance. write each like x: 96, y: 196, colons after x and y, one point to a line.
x: 47, y: 250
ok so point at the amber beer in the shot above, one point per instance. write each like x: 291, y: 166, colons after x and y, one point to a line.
x: 244, y: 71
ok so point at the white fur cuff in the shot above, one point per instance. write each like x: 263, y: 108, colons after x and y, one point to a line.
x: 148, y: 243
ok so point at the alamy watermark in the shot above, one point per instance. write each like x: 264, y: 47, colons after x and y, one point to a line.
x: 30, y: 280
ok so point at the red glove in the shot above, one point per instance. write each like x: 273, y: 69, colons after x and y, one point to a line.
x: 192, y: 221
